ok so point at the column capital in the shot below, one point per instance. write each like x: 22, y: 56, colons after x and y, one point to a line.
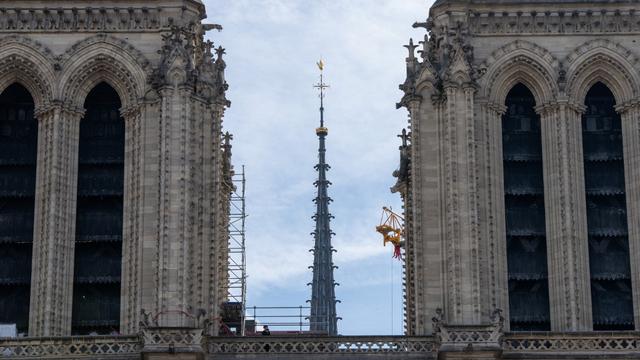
x: 633, y: 104
x: 499, y: 109
x: 131, y: 112
x: 59, y: 107
x: 558, y: 105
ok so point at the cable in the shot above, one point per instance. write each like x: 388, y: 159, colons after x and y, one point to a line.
x: 392, y: 307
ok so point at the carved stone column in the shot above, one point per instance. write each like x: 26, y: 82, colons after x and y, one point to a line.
x: 424, y: 282
x: 54, y: 228
x: 180, y: 250
x: 492, y: 204
x: 566, y: 219
x: 131, y: 285
x: 631, y: 147
x: 460, y: 220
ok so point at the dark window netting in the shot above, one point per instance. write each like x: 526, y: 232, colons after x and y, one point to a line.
x: 611, y: 299
x: 524, y: 211
x: 18, y: 156
x: 98, y: 254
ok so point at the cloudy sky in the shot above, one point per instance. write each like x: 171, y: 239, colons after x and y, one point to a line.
x: 272, y: 47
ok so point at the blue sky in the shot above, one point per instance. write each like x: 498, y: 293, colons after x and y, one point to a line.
x: 272, y: 47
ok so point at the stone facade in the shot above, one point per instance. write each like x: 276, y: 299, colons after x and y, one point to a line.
x: 473, y: 55
x: 172, y: 89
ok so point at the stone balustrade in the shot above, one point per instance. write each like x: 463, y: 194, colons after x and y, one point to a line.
x: 613, y: 343
x: 540, y: 345
x: 72, y: 347
x: 324, y: 345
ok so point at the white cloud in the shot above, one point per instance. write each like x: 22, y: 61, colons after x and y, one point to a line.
x: 272, y: 47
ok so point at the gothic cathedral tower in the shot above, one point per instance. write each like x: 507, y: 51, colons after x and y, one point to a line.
x: 113, y: 207
x: 521, y: 196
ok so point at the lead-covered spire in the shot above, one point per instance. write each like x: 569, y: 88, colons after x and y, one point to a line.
x: 323, y: 317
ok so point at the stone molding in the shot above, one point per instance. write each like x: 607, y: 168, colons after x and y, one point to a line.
x: 343, y: 345
x: 519, y: 61
x: 606, y: 61
x: 77, y: 347
x: 172, y: 340
x: 554, y: 22
x: 475, y: 342
x: 631, y: 149
x: 91, y: 19
x: 29, y: 63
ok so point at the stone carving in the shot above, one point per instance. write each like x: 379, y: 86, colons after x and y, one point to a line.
x: 171, y: 340
x: 520, y: 61
x: 120, y: 347
x: 609, y: 343
x: 606, y: 61
x: 324, y: 345
x: 88, y: 19
x: 131, y: 347
x: 554, y: 22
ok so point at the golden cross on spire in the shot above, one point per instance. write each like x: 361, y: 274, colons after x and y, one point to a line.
x: 321, y: 85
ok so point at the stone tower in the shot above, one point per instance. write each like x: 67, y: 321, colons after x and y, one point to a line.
x: 521, y: 193
x: 122, y: 221
x: 323, y: 298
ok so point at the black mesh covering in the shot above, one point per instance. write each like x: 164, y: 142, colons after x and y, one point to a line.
x: 18, y: 148
x: 611, y: 299
x: 524, y: 210
x: 98, y: 254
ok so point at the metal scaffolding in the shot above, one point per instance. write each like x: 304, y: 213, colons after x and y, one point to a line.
x: 237, y: 271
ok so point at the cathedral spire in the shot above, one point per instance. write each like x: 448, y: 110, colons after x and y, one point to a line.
x: 323, y: 317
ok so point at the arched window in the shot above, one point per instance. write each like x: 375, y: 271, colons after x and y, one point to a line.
x: 611, y: 296
x: 524, y: 211
x: 18, y: 153
x: 98, y: 254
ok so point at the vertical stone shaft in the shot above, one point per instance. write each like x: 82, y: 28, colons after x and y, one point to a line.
x: 461, y: 206
x: 54, y: 228
x: 566, y: 223
x: 183, y: 251
x: 492, y: 203
x: 425, y: 198
x: 631, y: 148
x: 132, y: 222
x: 174, y: 305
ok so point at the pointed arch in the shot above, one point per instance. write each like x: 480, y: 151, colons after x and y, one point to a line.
x: 99, y: 59
x: 602, y: 61
x: 520, y: 62
x: 30, y: 64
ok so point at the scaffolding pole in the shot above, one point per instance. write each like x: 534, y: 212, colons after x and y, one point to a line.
x: 237, y: 271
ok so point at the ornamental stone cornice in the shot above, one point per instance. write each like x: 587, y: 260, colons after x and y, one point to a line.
x: 576, y: 18
x: 117, y: 16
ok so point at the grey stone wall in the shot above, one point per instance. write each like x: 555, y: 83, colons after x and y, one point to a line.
x: 171, y: 84
x: 474, y: 52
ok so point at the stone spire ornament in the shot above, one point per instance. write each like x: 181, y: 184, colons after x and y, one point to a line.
x: 323, y: 317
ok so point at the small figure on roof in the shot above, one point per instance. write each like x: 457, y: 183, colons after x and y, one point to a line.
x: 265, y: 330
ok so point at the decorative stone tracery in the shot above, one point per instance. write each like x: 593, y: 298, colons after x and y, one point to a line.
x: 29, y: 63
